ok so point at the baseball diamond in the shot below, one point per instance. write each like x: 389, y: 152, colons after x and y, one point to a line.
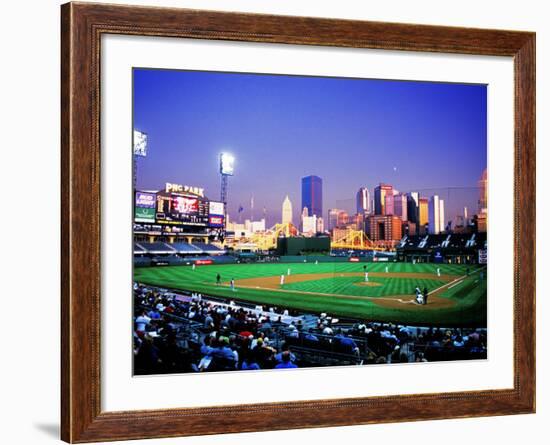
x: 457, y: 296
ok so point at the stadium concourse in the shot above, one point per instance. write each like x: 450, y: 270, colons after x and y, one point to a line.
x: 179, y: 332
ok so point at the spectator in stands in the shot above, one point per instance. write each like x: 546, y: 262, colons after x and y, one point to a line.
x: 285, y: 348
x: 230, y: 336
x: 142, y: 321
x: 154, y: 314
x: 286, y: 363
x: 250, y: 363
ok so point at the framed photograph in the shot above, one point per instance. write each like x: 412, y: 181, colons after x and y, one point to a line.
x: 274, y: 222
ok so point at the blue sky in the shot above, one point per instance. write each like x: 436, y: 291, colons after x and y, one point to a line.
x: 351, y: 132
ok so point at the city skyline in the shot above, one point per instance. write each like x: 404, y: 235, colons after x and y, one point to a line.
x: 349, y: 132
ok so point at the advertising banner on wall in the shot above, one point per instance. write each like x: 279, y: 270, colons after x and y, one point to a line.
x: 145, y: 207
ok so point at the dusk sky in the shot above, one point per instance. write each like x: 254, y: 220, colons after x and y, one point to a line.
x: 417, y: 136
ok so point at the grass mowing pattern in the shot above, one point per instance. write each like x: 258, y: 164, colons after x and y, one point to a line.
x: 470, y: 296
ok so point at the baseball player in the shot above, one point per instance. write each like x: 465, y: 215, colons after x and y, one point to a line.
x: 282, y: 279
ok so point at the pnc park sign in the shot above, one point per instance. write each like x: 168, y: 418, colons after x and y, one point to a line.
x: 178, y: 188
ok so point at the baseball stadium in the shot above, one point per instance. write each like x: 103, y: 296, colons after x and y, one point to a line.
x: 302, y: 257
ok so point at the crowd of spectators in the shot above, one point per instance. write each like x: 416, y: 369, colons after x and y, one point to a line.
x: 192, y: 333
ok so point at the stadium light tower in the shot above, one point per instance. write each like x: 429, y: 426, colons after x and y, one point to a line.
x: 227, y: 167
x: 140, y: 150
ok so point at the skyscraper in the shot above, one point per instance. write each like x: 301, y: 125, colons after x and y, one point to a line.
x: 380, y: 192
x: 412, y: 207
x: 442, y: 223
x: 287, y: 211
x: 482, y: 185
x: 388, y: 208
x: 363, y: 201
x: 312, y: 195
x: 434, y: 215
x: 422, y: 215
x: 337, y: 218
x: 400, y: 207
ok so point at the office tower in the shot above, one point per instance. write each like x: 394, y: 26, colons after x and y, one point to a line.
x: 412, y: 207
x: 422, y: 215
x: 312, y: 195
x: 287, y: 211
x: 400, y: 207
x: 434, y: 215
x: 442, y: 224
x: 386, y: 228
x: 337, y: 218
x: 380, y: 193
x: 388, y: 208
x: 482, y: 185
x: 363, y: 201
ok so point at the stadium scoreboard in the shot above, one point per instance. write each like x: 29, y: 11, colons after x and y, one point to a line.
x: 181, y: 206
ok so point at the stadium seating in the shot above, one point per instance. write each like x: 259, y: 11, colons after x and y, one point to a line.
x: 184, y: 248
x: 208, y: 248
x: 138, y: 249
x: 157, y: 248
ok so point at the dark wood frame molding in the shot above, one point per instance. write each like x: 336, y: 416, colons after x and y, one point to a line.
x: 82, y: 25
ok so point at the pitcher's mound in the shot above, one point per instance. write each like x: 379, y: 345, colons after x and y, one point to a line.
x: 367, y: 283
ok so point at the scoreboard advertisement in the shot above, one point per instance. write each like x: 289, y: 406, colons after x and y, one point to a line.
x: 176, y: 210
x: 144, y: 209
x: 182, y: 209
x: 216, y: 214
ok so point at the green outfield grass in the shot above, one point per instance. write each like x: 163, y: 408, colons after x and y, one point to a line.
x: 338, y: 295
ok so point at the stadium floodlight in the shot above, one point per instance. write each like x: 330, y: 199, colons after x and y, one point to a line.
x: 227, y: 164
x: 140, y: 143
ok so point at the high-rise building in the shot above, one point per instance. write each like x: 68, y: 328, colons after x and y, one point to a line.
x: 422, y: 215
x: 412, y: 207
x: 384, y: 229
x: 320, y: 225
x: 305, y: 214
x: 311, y: 225
x: 482, y: 185
x: 400, y: 207
x: 442, y: 223
x: 380, y: 193
x: 388, y: 208
x: 434, y: 215
x: 312, y: 195
x: 363, y: 202
x: 287, y: 211
x: 337, y: 218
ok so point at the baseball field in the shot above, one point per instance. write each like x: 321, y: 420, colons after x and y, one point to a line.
x: 457, y: 296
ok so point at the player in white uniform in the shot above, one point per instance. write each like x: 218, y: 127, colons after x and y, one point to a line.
x: 419, y: 296
x: 288, y: 271
x: 387, y: 269
x: 193, y: 266
x: 366, y: 276
x: 282, y: 279
x: 438, y: 272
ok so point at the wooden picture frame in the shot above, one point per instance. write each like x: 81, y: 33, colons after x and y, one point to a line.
x: 82, y: 26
